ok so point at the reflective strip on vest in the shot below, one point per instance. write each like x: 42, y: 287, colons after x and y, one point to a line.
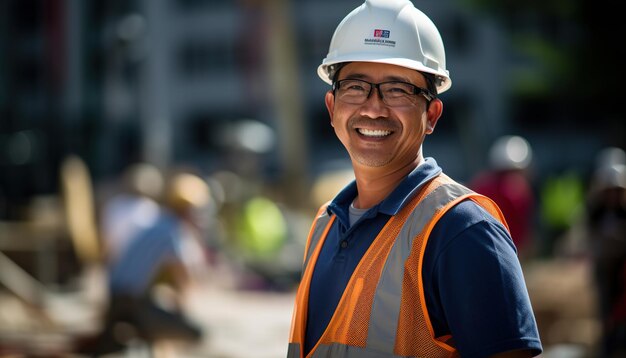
x: 336, y: 350
x: 382, y: 313
x: 386, y: 306
x: 316, y: 235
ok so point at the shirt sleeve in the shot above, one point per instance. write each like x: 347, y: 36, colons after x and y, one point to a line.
x: 474, y: 285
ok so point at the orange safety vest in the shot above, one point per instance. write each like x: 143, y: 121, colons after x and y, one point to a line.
x: 382, y: 312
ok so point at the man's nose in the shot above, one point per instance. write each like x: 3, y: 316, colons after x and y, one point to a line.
x: 374, y: 105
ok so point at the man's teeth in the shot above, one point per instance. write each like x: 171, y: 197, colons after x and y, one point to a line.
x: 373, y: 133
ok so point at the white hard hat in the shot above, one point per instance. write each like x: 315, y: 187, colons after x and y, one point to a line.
x: 145, y: 179
x: 392, y: 32
x: 610, y: 156
x: 510, y: 152
x: 610, y: 176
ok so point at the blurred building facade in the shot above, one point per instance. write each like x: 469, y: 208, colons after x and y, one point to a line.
x: 159, y: 80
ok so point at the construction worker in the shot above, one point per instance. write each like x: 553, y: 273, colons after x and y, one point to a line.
x: 166, y: 252
x: 133, y: 208
x: 404, y: 261
x: 605, y: 228
x: 507, y: 182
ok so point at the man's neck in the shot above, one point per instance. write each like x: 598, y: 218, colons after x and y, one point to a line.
x: 374, y: 185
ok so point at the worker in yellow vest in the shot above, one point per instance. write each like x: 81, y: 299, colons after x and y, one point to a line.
x: 403, y: 261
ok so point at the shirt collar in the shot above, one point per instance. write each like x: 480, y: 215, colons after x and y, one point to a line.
x: 392, y: 204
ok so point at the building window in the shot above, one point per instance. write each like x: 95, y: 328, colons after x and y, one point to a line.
x: 196, y: 57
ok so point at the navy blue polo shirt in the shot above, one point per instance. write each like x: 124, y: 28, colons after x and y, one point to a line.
x: 473, y: 281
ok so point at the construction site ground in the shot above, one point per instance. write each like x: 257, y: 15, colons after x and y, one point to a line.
x: 253, y: 323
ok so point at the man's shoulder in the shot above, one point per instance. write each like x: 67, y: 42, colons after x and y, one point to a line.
x: 466, y: 216
x: 467, y: 213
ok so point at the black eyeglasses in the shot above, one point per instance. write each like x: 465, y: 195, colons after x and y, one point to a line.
x: 392, y: 93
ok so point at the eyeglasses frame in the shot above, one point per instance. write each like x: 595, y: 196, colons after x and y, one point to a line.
x: 429, y: 96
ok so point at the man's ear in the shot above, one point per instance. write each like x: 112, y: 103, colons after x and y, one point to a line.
x: 435, y: 108
x: 329, y: 99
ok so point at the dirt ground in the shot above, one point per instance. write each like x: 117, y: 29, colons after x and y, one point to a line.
x: 240, y: 324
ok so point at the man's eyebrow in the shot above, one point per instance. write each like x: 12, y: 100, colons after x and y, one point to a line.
x: 396, y: 78
x: 357, y: 76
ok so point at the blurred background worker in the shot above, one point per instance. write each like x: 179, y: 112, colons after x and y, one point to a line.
x: 507, y: 183
x: 167, y: 252
x: 134, y: 208
x: 606, y: 235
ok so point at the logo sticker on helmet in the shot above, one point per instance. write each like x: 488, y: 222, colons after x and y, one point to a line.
x: 380, y: 38
x: 382, y: 33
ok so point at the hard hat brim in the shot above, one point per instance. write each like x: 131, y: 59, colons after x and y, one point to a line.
x: 323, y: 69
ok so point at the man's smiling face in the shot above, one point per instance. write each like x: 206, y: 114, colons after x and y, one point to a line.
x: 374, y: 134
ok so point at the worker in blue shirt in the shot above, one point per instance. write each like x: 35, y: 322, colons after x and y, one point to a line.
x: 166, y: 250
x: 404, y: 261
